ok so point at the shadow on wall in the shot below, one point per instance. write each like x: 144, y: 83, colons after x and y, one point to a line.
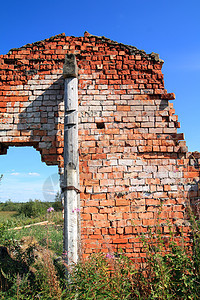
x: 41, y: 122
x: 163, y: 104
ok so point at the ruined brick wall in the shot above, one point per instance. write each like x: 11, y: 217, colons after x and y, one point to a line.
x: 132, y: 161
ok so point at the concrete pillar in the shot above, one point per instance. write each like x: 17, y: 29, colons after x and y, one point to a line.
x: 71, y: 161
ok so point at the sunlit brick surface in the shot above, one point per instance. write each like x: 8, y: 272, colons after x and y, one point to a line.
x: 132, y: 161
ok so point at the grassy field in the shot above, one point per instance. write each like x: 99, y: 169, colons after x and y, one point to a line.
x: 31, y: 248
x: 50, y: 235
x: 7, y: 215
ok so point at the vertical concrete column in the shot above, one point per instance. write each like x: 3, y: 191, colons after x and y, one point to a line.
x: 71, y: 161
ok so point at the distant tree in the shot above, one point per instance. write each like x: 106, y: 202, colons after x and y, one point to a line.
x: 57, y: 205
x: 33, y: 208
x: 58, y: 197
x: 10, y: 206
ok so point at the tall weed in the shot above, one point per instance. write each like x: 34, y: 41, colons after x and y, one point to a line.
x: 171, y: 270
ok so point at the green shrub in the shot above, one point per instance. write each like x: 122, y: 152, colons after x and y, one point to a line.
x: 10, y: 206
x: 3, y: 232
x: 27, y: 271
x: 171, y: 270
x: 33, y: 208
x: 105, y: 277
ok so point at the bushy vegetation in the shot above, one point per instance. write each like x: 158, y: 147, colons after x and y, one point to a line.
x: 32, y: 208
x: 32, y: 267
x: 10, y: 206
x: 170, y: 271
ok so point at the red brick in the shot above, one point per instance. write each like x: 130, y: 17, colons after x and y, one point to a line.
x: 146, y: 215
x: 121, y: 202
x: 136, y: 129
x: 120, y: 241
x: 99, y: 196
x: 123, y: 108
x: 112, y: 230
x: 91, y: 210
x: 86, y: 217
x: 99, y: 216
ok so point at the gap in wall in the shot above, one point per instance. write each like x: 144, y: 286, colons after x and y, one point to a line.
x: 26, y: 177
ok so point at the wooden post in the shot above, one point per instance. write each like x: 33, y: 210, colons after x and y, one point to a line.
x: 71, y: 161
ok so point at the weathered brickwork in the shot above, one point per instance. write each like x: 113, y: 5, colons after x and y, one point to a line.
x: 132, y: 160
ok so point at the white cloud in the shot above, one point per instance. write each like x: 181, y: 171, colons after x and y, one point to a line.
x: 15, y: 174
x: 33, y: 174
x: 50, y: 193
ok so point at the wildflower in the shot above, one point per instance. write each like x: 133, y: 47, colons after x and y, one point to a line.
x: 108, y: 255
x: 76, y: 210
x: 50, y: 209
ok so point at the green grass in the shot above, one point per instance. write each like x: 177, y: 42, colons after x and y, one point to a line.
x: 171, y: 270
x: 5, y: 215
x: 50, y: 235
x: 46, y: 235
x: 14, y: 219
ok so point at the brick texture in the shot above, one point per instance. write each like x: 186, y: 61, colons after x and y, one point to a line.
x: 132, y: 160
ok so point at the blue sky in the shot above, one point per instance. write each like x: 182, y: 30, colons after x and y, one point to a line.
x: 26, y: 177
x: 170, y: 28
